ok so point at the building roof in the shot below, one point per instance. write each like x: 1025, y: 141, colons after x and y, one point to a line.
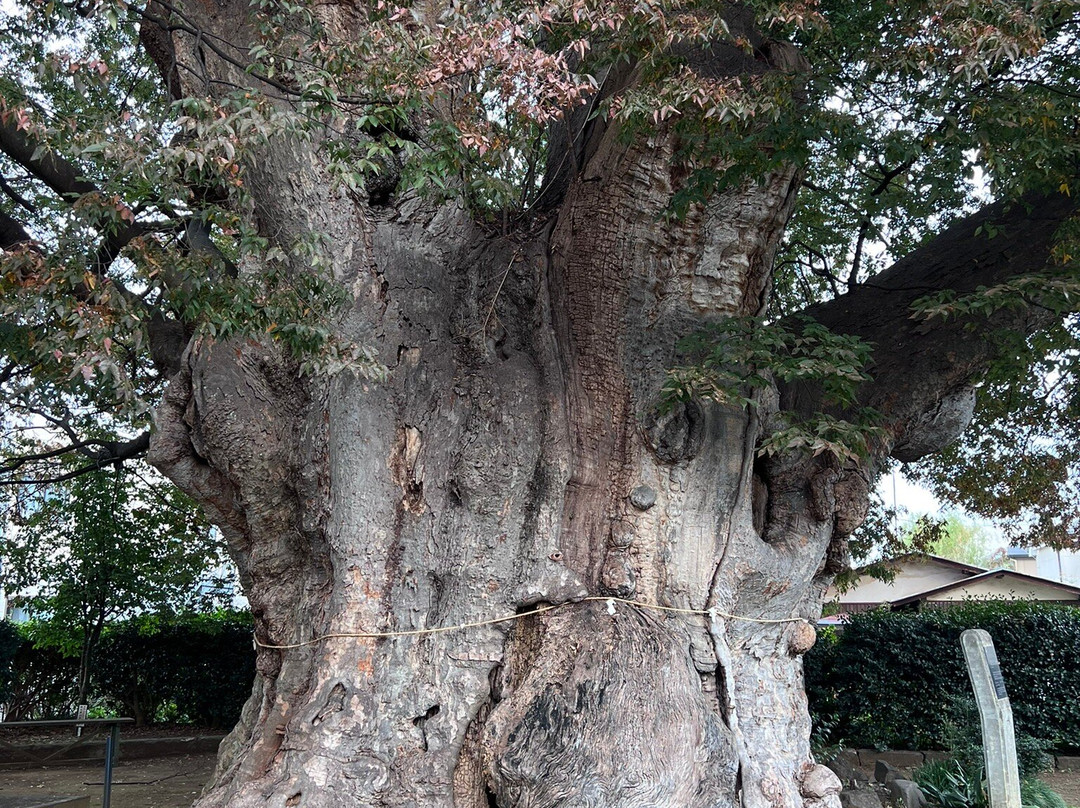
x: 959, y: 566
x: 1068, y: 591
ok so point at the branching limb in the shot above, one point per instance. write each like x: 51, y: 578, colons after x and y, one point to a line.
x: 58, y: 174
x: 13, y: 234
x: 98, y: 453
x: 921, y: 365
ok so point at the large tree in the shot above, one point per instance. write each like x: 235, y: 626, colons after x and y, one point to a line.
x: 535, y: 422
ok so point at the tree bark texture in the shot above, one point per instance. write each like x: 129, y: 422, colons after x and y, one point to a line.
x: 514, y: 458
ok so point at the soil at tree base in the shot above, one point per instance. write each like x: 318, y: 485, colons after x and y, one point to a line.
x: 1067, y: 784
x: 175, y: 782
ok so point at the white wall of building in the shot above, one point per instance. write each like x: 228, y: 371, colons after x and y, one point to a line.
x: 1045, y: 562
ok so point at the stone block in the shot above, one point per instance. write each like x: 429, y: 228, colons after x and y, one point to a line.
x: 52, y: 754
x: 860, y: 798
x: 906, y: 794
x: 902, y: 760
x: 845, y: 765
x: 885, y: 772
x: 820, y: 782
x: 206, y: 743
x: 937, y: 757
x: 142, y: 748
x: 93, y: 752
x: 1067, y: 763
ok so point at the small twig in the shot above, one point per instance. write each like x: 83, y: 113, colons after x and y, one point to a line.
x: 494, y: 300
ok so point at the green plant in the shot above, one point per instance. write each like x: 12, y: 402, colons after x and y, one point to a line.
x: 1034, y: 793
x: 959, y: 783
x: 952, y: 784
x: 194, y: 668
x: 101, y: 546
x: 963, y: 736
x: 190, y: 668
x: 42, y: 682
x: 9, y: 644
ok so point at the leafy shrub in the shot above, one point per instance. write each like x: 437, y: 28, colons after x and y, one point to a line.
x: 192, y: 668
x: 44, y: 683
x: 9, y: 644
x: 960, y: 784
x: 1035, y: 793
x: 861, y: 682
x: 964, y: 739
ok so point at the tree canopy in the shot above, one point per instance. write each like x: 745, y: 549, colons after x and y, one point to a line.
x: 101, y: 546
x: 127, y: 226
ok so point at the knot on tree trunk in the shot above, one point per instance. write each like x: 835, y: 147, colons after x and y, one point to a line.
x: 936, y: 427
x: 842, y: 495
x: 576, y: 729
x: 677, y: 434
x: 801, y: 638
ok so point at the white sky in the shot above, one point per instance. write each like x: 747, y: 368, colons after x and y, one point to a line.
x: 896, y: 490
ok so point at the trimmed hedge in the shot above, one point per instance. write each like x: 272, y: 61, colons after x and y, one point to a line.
x: 9, y: 645
x: 43, y: 683
x: 195, y: 668
x: 897, y: 679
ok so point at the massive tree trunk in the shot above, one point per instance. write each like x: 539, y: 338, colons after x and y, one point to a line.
x: 515, y: 464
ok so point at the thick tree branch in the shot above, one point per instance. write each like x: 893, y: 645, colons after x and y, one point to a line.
x: 66, y: 180
x: 12, y: 233
x: 16, y: 197
x: 924, y: 369
x: 61, y: 176
x: 114, y: 243
x: 99, y: 454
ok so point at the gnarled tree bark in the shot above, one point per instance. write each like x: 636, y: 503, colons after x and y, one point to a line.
x: 515, y: 458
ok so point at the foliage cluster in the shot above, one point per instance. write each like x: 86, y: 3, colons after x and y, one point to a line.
x: 128, y: 209
x: 737, y: 357
x: 44, y: 683
x: 191, y: 668
x: 196, y: 668
x: 959, y: 783
x: 103, y: 545
x: 951, y: 784
x: 9, y: 644
x: 862, y: 681
x: 950, y: 536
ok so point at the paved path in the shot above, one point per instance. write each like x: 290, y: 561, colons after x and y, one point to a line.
x: 172, y: 782
x: 175, y: 782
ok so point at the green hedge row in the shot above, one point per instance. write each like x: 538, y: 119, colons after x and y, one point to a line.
x: 897, y: 679
x: 194, y: 669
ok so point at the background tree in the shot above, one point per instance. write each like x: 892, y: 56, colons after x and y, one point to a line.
x: 954, y: 537
x: 465, y: 308
x: 104, y: 545
x: 968, y: 542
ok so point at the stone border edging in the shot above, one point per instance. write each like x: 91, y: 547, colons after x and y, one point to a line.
x: 93, y: 752
x: 901, y: 759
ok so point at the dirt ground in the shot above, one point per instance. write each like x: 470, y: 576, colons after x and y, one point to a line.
x: 175, y: 782
x: 172, y: 782
x: 1067, y: 784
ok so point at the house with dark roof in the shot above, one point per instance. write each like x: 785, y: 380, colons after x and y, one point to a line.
x: 920, y: 580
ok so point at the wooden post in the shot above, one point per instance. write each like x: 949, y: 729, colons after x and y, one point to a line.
x: 995, y: 715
